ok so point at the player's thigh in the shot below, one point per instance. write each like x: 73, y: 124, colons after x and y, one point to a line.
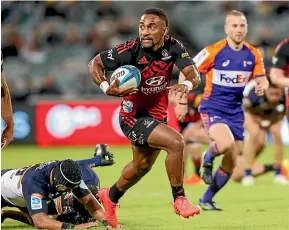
x: 220, y: 132
x: 144, y: 157
x: 275, y: 130
x: 261, y: 139
x: 197, y: 133
x: 252, y: 126
x: 217, y: 127
x: 166, y: 138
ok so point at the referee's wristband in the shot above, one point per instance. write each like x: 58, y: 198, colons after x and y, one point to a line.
x: 104, y: 86
x: 67, y: 226
x: 189, y: 84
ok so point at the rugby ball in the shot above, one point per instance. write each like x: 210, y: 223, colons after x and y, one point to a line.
x: 129, y: 77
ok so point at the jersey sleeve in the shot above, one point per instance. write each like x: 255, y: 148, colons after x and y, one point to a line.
x: 81, y: 190
x: 279, y: 60
x: 34, y: 196
x: 183, y: 58
x: 204, y: 60
x: 259, y: 69
x: 117, y: 56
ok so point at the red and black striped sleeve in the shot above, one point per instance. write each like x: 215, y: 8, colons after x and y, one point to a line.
x: 118, y: 56
x: 281, y: 57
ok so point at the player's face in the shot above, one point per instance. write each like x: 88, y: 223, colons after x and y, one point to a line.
x: 236, y: 28
x: 152, y: 30
x: 274, y: 94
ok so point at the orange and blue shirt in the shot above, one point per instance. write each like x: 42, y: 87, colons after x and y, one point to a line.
x: 227, y: 73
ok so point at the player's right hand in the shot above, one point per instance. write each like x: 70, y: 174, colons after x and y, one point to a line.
x: 114, y: 90
x: 7, y: 136
x: 86, y: 225
x: 179, y: 89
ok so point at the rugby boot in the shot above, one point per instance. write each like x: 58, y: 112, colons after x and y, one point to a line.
x: 183, y: 207
x: 109, y: 206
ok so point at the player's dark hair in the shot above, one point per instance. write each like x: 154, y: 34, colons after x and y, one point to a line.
x: 158, y: 12
x: 67, y: 173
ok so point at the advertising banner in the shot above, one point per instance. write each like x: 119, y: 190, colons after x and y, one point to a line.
x: 81, y: 123
x: 24, y: 124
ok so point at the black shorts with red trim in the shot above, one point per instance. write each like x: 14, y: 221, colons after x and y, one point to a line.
x: 138, y: 129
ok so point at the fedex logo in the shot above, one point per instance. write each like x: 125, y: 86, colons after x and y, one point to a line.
x: 230, y: 78
x: 238, y: 79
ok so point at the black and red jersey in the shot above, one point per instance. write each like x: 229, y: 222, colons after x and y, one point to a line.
x: 281, y: 60
x: 156, y: 74
x: 281, y: 56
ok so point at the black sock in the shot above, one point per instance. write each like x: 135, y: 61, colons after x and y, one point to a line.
x: 197, y: 164
x: 178, y: 191
x: 268, y: 168
x: 115, y: 194
x: 197, y: 171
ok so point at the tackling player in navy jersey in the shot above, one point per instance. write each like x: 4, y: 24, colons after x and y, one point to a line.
x: 66, y: 208
x: 32, y: 188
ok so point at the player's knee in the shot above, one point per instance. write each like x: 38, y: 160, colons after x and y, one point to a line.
x: 177, y: 145
x: 226, y: 146
x: 144, y: 166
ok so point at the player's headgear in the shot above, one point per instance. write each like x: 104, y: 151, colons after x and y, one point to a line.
x: 67, y: 173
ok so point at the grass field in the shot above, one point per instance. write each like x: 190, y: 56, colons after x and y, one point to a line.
x: 147, y: 206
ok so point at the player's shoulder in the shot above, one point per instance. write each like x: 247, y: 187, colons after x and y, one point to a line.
x: 173, y: 41
x: 253, y: 49
x: 213, y: 49
x: 127, y: 46
x: 284, y: 44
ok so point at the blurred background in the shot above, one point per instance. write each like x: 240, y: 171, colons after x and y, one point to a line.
x: 47, y: 45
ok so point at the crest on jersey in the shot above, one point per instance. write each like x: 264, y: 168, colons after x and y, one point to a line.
x: 165, y: 55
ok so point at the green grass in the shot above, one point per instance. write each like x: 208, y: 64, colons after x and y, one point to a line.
x: 147, y: 205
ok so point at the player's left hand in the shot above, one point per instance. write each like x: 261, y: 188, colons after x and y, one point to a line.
x: 181, y: 111
x: 179, y: 89
x: 259, y: 89
x: 7, y: 136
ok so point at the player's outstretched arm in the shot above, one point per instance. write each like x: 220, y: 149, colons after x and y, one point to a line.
x: 94, y: 208
x: 6, y: 113
x: 43, y: 221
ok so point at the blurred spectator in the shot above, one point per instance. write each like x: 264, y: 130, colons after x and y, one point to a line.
x: 72, y: 36
x: 51, y: 10
x: 33, y: 52
x: 52, y: 36
x: 99, y: 45
x: 49, y: 86
x: 107, y: 11
x: 282, y: 8
x: 12, y: 43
